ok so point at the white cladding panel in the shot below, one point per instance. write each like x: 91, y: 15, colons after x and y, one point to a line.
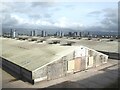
x: 81, y: 52
x: 90, y: 61
x: 40, y: 79
x: 71, y: 65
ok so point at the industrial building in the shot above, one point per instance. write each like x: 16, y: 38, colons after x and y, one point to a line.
x: 37, y: 62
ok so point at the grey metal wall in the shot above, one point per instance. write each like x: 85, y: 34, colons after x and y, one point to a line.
x: 26, y: 75
x: 10, y: 66
x: 17, y: 71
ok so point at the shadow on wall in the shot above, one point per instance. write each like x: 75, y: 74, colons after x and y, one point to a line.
x: 15, y: 75
x: 112, y: 55
x: 108, y: 79
x: 12, y: 72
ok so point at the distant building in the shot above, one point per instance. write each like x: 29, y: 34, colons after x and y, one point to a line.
x: 96, y: 36
x: 70, y: 34
x: 88, y: 35
x: 63, y: 34
x: 75, y: 34
x: 12, y: 33
x: 33, y: 33
x: 43, y: 33
x: 57, y: 33
x: 60, y: 34
x: 80, y: 34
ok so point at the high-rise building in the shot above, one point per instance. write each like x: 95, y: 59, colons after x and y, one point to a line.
x: 11, y: 33
x: 75, y: 34
x: 70, y: 34
x: 60, y: 34
x: 14, y: 33
x: 57, y: 33
x: 31, y: 33
x: 88, y: 34
x: 80, y: 34
x: 44, y: 34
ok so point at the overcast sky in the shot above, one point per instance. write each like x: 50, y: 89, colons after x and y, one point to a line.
x: 76, y: 15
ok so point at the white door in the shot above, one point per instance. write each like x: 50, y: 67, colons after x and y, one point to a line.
x: 90, y: 62
x: 70, y: 66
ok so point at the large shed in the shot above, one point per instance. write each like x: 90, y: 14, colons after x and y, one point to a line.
x: 36, y: 62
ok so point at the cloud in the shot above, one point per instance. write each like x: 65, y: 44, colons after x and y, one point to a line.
x: 33, y: 14
x: 41, y: 14
x: 8, y: 21
x: 95, y: 13
x: 42, y: 4
x: 109, y: 21
x: 17, y: 21
x: 64, y: 22
x: 110, y: 16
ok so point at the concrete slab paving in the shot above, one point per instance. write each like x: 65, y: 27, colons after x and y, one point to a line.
x: 92, y: 85
x: 94, y: 77
x: 110, y: 76
x: 101, y: 80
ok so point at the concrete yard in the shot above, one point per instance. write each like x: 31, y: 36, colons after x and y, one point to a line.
x: 99, y: 77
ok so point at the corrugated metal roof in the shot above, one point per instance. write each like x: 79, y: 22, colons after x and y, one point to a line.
x: 32, y: 55
x: 99, y: 45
